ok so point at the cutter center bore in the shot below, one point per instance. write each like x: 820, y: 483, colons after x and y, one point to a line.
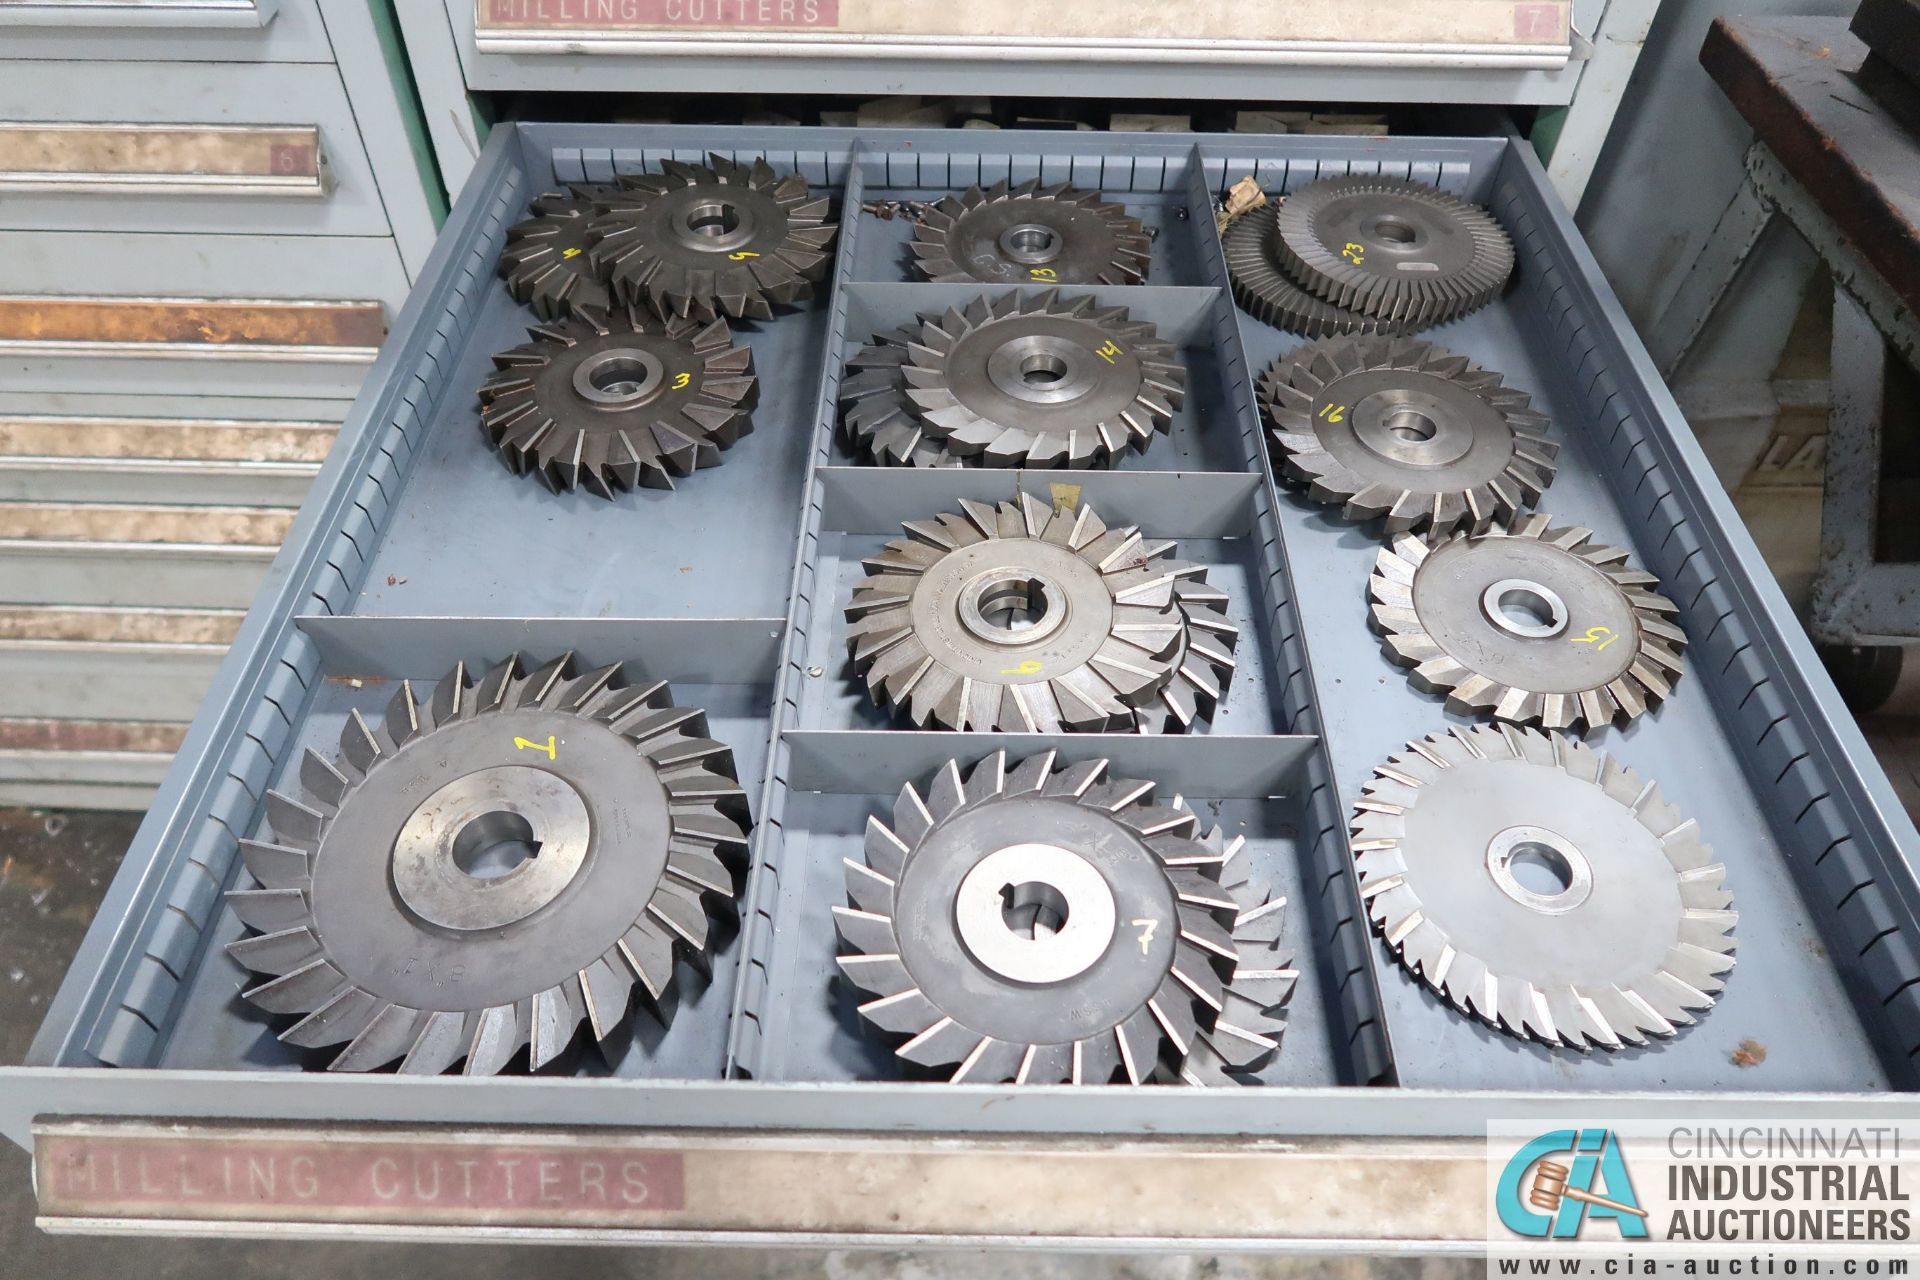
x: 1043, y: 368
x: 496, y: 843
x: 1404, y: 425
x: 1539, y: 869
x: 1529, y: 610
x: 712, y: 224
x: 491, y: 847
x: 1012, y: 607
x: 1031, y: 243
x: 1036, y: 913
x: 620, y: 378
x: 1391, y: 233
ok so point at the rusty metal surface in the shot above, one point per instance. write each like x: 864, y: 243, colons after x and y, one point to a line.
x: 115, y: 625
x: 143, y: 736
x: 190, y: 321
x: 118, y: 522
x: 172, y: 438
x: 277, y: 158
x: 1792, y: 78
x: 97, y: 1175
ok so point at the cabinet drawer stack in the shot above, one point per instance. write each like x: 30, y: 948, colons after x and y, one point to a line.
x: 212, y: 212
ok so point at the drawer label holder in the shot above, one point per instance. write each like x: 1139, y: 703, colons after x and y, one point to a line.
x: 232, y: 1178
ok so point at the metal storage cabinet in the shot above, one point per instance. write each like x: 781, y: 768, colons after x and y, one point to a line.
x: 204, y: 249
x: 1576, y: 54
x: 763, y: 1114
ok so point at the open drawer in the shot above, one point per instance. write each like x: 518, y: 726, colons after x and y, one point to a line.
x: 764, y: 1112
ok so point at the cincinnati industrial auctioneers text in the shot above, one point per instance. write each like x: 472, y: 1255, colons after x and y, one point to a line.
x: 1763, y: 1182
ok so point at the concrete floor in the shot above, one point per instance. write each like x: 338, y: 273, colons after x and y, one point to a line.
x: 53, y: 870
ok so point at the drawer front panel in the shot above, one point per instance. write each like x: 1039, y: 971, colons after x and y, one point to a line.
x: 166, y: 30
x: 225, y: 150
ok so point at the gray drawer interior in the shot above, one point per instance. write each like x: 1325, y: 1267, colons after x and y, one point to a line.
x: 418, y: 549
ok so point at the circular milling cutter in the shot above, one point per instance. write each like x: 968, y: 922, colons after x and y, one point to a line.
x: 1030, y: 234
x: 1016, y: 618
x: 491, y: 868
x: 545, y: 261
x: 1264, y: 291
x: 1543, y: 886
x: 1530, y: 624
x: 1037, y: 380
x: 1405, y: 430
x: 1401, y: 251
x: 714, y: 239
x: 1011, y: 382
x: 1046, y: 925
x: 612, y: 402
x: 877, y: 422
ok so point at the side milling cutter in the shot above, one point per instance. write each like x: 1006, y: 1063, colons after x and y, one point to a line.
x: 545, y: 260
x: 715, y: 239
x: 1044, y: 923
x: 1543, y: 886
x: 491, y: 868
x: 1402, y: 251
x: 877, y: 422
x: 1030, y: 234
x: 1261, y: 286
x: 1406, y: 430
x: 612, y: 402
x: 1016, y: 618
x: 1530, y: 624
x: 1015, y: 381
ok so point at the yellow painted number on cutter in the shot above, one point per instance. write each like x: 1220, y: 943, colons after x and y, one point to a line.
x: 1043, y: 273
x: 680, y: 380
x: 1146, y: 926
x: 1598, y: 637
x: 522, y: 744
x: 1354, y: 253
x: 741, y: 255
x: 1107, y: 350
x: 1031, y: 667
x: 1332, y: 413
x: 569, y: 253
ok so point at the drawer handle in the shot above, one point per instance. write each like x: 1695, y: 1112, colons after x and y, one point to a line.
x: 222, y: 328
x: 137, y: 13
x: 174, y: 159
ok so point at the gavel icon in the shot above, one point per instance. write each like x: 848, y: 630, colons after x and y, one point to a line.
x: 1550, y: 1188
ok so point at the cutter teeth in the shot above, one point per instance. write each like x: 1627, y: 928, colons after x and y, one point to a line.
x: 463, y: 757
x: 1025, y: 234
x: 1403, y: 252
x: 545, y: 261
x: 721, y: 239
x: 1004, y: 650
x: 614, y: 401
x: 1480, y: 617
x: 941, y: 953
x: 1263, y: 290
x: 1019, y: 380
x: 1479, y: 873
x: 1471, y: 455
